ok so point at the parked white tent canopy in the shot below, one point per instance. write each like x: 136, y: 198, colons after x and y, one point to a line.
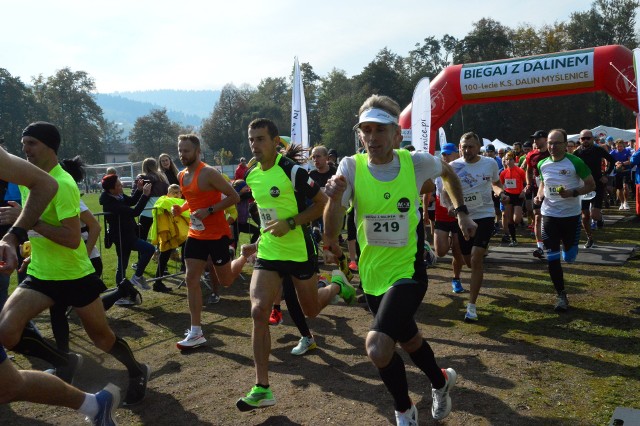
x: 605, y: 131
x: 497, y: 144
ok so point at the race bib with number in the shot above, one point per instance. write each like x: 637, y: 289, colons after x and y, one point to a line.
x: 266, y: 216
x: 196, y: 224
x: 553, y: 191
x: 510, y: 184
x: 387, y: 230
x: 473, y: 200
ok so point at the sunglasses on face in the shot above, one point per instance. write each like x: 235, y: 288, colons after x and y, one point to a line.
x: 586, y: 138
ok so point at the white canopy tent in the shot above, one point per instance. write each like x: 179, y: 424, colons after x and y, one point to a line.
x: 497, y: 143
x: 605, y: 131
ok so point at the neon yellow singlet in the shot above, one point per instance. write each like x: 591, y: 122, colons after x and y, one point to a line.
x: 274, y: 194
x: 387, y: 220
x: 51, y: 261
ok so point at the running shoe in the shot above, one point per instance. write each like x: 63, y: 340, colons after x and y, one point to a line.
x: 108, y: 400
x: 471, y: 314
x: 441, y: 400
x: 593, y: 225
x: 347, y: 292
x: 67, y: 372
x: 456, y: 286
x: 258, y: 397
x: 506, y: 238
x: 124, y: 301
x: 562, y: 303
x: 134, y: 266
x: 138, y: 386
x: 305, y: 344
x: 140, y: 282
x: 626, y: 206
x: 589, y: 243
x: 538, y: 253
x: 513, y: 243
x: 353, y: 266
x: 276, y: 317
x: 621, y: 206
x: 407, y: 418
x: 213, y: 299
x: 191, y: 341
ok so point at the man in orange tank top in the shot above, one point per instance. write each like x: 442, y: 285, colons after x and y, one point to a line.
x: 207, y: 195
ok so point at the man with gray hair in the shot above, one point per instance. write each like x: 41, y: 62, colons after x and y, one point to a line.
x: 391, y: 236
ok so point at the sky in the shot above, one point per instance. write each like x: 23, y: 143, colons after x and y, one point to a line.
x: 196, y: 45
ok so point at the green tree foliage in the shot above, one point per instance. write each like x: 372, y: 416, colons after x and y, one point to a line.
x: 225, y: 128
x: 487, y: 41
x: 69, y: 103
x: 112, y: 136
x: 153, y: 134
x: 18, y: 108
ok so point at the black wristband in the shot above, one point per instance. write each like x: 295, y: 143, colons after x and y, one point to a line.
x: 292, y: 223
x: 20, y: 233
x: 462, y: 209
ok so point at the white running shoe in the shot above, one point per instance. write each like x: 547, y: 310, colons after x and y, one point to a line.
x: 441, y: 400
x: 471, y: 315
x: 124, y: 301
x: 191, y: 341
x: 140, y: 282
x: 408, y: 418
x: 305, y: 344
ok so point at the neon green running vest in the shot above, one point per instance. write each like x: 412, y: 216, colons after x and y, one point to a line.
x: 387, y: 220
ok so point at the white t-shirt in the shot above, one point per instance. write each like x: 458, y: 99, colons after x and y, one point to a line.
x: 425, y: 166
x: 477, y: 180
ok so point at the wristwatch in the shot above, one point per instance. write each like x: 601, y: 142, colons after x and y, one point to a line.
x: 292, y: 223
x: 210, y: 209
x: 462, y: 209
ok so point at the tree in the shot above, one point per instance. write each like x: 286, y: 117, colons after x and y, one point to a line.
x: 153, y: 134
x: 70, y: 105
x: 489, y: 40
x: 112, y: 136
x: 225, y: 128
x: 17, y: 109
x: 385, y: 76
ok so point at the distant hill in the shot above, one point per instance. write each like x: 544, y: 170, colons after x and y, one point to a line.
x: 188, y: 107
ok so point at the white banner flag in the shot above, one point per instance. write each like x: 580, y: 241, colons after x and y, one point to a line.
x: 299, y: 128
x: 636, y: 66
x: 443, y: 137
x: 421, y: 116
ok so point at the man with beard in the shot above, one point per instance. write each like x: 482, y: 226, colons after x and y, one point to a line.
x: 203, y: 188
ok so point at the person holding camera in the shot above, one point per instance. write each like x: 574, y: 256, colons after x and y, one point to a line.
x: 122, y: 225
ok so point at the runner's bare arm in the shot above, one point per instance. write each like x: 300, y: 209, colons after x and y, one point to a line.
x: 333, y: 214
x: 454, y: 189
x: 42, y: 190
x: 67, y: 234
x: 211, y: 179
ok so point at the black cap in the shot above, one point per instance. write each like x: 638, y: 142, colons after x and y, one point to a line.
x: 332, y: 152
x: 490, y: 148
x: 527, y: 144
x: 539, y: 134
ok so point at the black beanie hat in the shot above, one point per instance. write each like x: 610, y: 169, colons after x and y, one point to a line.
x: 45, y: 132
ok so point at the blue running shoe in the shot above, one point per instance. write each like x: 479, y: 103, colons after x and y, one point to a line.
x: 108, y: 400
x: 456, y: 286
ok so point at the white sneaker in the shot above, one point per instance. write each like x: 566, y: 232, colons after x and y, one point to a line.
x: 140, y: 282
x: 191, y: 341
x: 305, y: 344
x: 626, y: 206
x: 441, y: 400
x: 471, y: 315
x: 408, y: 418
x: 621, y: 206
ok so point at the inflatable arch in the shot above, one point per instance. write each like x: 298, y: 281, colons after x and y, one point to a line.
x: 557, y: 74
